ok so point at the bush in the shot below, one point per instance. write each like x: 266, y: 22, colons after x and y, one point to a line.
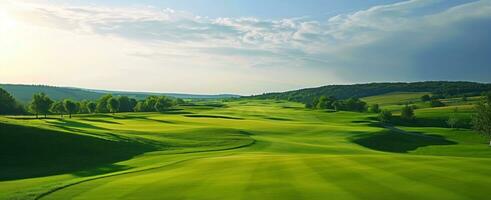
x: 375, y: 108
x: 385, y: 116
x: 425, y: 98
x: 436, y: 103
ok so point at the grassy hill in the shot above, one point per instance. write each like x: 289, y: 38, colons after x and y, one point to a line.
x: 246, y: 149
x: 444, y: 88
x: 23, y: 93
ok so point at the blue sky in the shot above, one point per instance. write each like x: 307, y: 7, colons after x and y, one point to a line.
x: 243, y: 47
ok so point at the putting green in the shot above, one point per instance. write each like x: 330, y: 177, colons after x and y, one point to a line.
x: 244, y: 150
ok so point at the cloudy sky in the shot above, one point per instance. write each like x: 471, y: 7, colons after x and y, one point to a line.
x: 241, y: 46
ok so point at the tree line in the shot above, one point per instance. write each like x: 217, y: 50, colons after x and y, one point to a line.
x: 351, y: 104
x: 41, y: 104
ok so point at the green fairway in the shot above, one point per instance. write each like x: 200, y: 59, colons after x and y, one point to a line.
x: 248, y: 149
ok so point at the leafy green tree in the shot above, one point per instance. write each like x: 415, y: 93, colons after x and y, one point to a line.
x: 150, y: 103
x: 385, y: 116
x: 58, y: 108
x: 8, y: 104
x: 407, y: 113
x: 481, y: 121
x: 91, y: 107
x: 375, y: 108
x: 82, y: 108
x: 70, y: 107
x: 425, y: 98
x: 102, y: 104
x: 140, y: 106
x: 40, y: 104
x: 453, y: 121
x: 133, y: 103
x: 163, y: 103
x: 325, y: 102
x: 179, y: 101
x: 436, y: 103
x: 113, y: 105
x: 124, y: 104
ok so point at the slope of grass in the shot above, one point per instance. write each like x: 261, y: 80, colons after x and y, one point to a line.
x: 257, y: 149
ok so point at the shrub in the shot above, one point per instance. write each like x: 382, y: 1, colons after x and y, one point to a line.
x: 385, y: 116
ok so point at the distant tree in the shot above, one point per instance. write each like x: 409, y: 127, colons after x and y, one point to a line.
x: 163, y: 103
x: 82, y: 108
x: 487, y: 96
x: 150, y: 102
x: 8, y: 104
x: 124, y: 104
x: 309, y: 105
x: 453, y: 121
x: 325, y: 102
x: 179, y: 101
x: 425, y: 98
x: 436, y: 103
x: 481, y: 121
x: 70, y: 107
x: 91, y: 107
x: 102, y: 104
x: 464, y: 98
x: 385, y: 116
x: 133, y: 103
x: 58, y: 108
x: 40, y: 104
x: 375, y: 108
x: 113, y: 105
x: 407, y: 113
x: 140, y: 106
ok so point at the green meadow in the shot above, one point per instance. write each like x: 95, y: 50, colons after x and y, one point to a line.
x: 244, y: 149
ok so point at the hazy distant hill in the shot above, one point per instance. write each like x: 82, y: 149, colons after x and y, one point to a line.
x: 445, y: 88
x: 23, y: 93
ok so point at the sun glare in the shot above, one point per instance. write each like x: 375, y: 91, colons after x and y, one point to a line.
x: 6, y: 22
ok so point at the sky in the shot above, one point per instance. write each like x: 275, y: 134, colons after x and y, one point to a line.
x: 242, y: 46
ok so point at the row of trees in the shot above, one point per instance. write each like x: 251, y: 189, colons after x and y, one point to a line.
x: 42, y: 104
x: 351, y: 104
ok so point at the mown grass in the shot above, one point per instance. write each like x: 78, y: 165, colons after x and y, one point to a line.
x: 254, y: 149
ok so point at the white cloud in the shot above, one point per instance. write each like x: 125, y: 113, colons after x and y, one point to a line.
x: 386, y: 37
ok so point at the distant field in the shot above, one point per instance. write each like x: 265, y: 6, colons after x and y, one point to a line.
x: 245, y: 149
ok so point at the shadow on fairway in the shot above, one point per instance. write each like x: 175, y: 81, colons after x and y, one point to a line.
x: 214, y: 116
x: 100, y: 120
x: 390, y: 141
x: 28, y: 152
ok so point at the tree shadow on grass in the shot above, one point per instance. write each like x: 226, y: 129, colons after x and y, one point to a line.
x: 28, y: 152
x: 100, y: 120
x: 214, y: 116
x: 390, y: 141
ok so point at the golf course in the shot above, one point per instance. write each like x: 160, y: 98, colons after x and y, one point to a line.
x: 243, y: 149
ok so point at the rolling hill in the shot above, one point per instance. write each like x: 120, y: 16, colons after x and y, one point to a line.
x: 23, y: 93
x: 444, y: 88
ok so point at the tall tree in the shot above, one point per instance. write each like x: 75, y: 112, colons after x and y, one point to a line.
x: 124, y: 104
x: 425, y: 98
x: 8, y: 104
x: 70, y: 107
x: 407, y: 113
x: 482, y: 119
x: 133, y: 103
x: 102, y: 104
x: 113, y: 105
x: 58, y: 108
x: 91, y: 107
x: 375, y: 108
x: 40, y: 104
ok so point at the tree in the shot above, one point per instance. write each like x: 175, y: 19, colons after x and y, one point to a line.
x: 139, y: 106
x: 325, y: 102
x: 82, y: 108
x: 425, y: 98
x: 124, y: 104
x: 58, y: 108
x: 179, y: 101
x: 436, y: 103
x: 453, y: 121
x: 133, y: 103
x: 102, y: 104
x: 70, y: 107
x: 481, y: 121
x: 407, y: 113
x: 113, y: 105
x: 375, y: 108
x: 385, y: 116
x: 163, y: 103
x: 487, y: 96
x: 40, y: 104
x: 8, y: 104
x: 91, y: 107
